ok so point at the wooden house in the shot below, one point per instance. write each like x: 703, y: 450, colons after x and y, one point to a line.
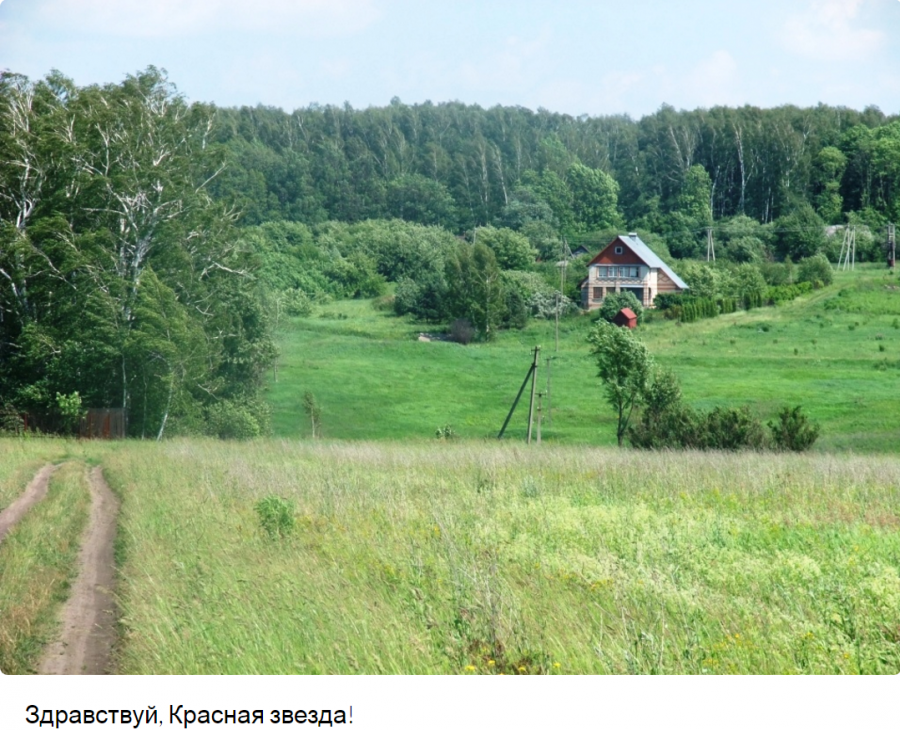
x: 628, y: 264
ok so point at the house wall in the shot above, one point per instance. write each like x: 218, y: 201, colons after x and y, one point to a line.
x: 598, y: 286
x: 665, y: 284
x: 649, y: 282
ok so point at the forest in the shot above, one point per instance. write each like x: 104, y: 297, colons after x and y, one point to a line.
x: 149, y: 245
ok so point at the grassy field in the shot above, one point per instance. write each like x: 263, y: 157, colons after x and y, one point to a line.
x: 462, y: 558
x: 472, y: 558
x: 835, y: 351
x: 19, y: 460
x: 37, y: 558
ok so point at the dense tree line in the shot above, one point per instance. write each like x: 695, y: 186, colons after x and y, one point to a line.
x: 121, y: 278
x: 460, y: 166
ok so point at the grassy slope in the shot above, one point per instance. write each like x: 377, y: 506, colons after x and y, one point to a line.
x: 375, y: 381
x: 457, y: 558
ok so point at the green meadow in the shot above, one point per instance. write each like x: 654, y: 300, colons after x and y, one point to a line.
x: 406, y: 554
x: 835, y: 351
x: 467, y: 558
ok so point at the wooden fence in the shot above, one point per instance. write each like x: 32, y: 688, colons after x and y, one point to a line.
x: 97, y: 423
x: 103, y: 423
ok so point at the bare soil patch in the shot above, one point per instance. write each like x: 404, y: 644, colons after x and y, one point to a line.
x: 88, y: 618
x: 34, y: 493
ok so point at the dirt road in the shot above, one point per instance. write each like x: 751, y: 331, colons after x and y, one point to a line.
x: 34, y: 493
x: 88, y: 618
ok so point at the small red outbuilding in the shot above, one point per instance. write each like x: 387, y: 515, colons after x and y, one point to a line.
x: 626, y: 318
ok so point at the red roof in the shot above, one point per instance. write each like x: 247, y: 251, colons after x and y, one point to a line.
x: 628, y: 313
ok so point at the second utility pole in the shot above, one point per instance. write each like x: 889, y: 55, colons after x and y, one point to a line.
x: 534, y: 367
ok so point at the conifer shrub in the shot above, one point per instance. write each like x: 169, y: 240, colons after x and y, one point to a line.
x: 793, y: 430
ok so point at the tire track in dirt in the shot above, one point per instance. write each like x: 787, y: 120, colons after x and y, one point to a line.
x: 34, y: 493
x: 89, y: 616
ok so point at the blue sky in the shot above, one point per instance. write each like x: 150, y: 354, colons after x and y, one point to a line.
x: 575, y: 57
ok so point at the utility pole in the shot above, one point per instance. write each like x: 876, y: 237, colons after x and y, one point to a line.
x: 539, y: 417
x: 710, y: 245
x: 532, y: 374
x: 563, y: 266
x: 847, y: 257
x: 534, y: 367
x: 549, y: 403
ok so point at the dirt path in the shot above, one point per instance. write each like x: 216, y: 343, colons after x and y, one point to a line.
x: 88, y: 617
x: 34, y: 493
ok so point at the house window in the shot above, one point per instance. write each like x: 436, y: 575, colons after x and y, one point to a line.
x: 618, y: 249
x: 598, y: 292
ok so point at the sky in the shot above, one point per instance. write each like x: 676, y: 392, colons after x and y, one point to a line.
x: 576, y: 57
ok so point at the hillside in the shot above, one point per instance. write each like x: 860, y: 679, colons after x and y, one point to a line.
x: 835, y: 351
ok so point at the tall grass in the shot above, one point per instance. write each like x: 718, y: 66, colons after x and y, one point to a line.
x: 470, y: 558
x: 20, y: 460
x: 37, y: 562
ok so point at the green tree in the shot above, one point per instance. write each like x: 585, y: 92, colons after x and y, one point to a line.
x: 144, y: 295
x: 800, y: 234
x: 595, y: 198
x: 828, y: 170
x: 554, y: 191
x: 624, y: 364
x: 419, y: 199
x: 513, y: 250
x: 749, y: 285
x: 475, y: 289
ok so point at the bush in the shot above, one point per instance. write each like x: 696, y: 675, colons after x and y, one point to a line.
x: 424, y: 299
x: 10, y: 420
x: 816, y: 270
x: 667, y: 422
x: 229, y: 420
x: 544, y: 305
x: 732, y: 429
x: 750, y: 286
x: 793, y: 431
x: 786, y: 292
x: 70, y: 410
x: 276, y: 516
x: 297, y: 303
x: 445, y: 433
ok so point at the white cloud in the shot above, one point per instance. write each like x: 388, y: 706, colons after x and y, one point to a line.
x: 829, y: 30
x: 166, y: 18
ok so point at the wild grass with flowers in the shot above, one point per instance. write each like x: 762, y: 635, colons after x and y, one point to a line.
x: 500, y: 559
